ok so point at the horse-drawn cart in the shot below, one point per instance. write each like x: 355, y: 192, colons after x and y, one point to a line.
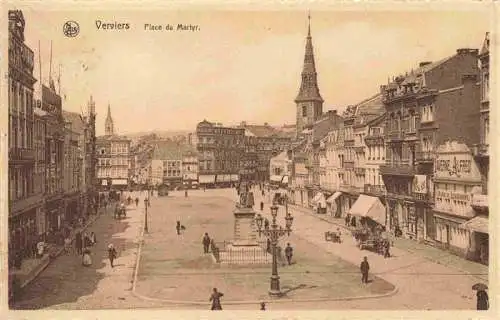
x: 333, y: 237
x: 120, y: 212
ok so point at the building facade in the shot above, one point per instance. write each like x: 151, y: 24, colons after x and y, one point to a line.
x: 113, y: 162
x: 54, y: 154
x: 425, y: 107
x: 280, y: 168
x: 190, y: 169
x: 375, y: 157
x: 25, y: 200
x: 219, y: 153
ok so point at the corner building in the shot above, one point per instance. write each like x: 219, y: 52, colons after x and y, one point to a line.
x: 426, y: 107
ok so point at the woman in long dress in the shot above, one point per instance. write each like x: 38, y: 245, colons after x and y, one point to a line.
x: 86, y: 259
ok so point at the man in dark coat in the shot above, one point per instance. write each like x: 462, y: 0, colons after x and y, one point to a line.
x: 261, y: 206
x: 111, y: 254
x: 215, y: 299
x: 78, y: 243
x: 482, y: 300
x: 364, y: 267
x: 206, y: 243
x: 178, y: 227
x: 289, y: 253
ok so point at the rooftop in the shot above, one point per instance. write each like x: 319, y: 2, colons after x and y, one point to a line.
x: 169, y: 150
x: 77, y: 123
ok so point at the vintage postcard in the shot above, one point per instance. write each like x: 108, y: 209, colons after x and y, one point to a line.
x: 296, y: 161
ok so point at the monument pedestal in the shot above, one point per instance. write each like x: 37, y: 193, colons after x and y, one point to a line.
x: 244, y: 248
x: 244, y: 227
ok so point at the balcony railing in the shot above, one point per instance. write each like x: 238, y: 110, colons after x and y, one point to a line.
x: 359, y: 170
x: 21, y: 205
x: 21, y: 154
x: 397, y: 168
x: 375, y: 189
x: 421, y: 196
x: 359, y: 149
x: 349, y: 142
x: 424, y: 156
x: 348, y: 164
x: 396, y: 135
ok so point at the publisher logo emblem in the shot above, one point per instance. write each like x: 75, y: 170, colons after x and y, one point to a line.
x: 71, y: 29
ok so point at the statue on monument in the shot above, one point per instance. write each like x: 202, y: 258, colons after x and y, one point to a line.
x: 246, y: 197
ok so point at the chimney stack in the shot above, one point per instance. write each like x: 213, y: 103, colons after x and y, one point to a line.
x: 474, y: 52
x: 424, y: 63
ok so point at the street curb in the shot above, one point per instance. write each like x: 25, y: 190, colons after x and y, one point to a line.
x: 245, y: 302
x: 236, y: 302
x: 407, y: 250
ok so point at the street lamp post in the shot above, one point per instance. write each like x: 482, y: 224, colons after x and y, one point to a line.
x: 274, y: 233
x: 146, y: 215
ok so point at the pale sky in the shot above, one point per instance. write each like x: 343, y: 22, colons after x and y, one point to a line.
x: 241, y: 65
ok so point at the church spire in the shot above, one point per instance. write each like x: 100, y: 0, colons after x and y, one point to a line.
x: 309, y: 90
x: 108, y: 126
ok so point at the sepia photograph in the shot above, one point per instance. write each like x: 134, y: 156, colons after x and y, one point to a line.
x: 206, y: 159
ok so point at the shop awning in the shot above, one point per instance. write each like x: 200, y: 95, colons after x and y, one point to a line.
x: 477, y: 224
x: 206, y: 179
x: 276, y: 178
x: 333, y: 197
x: 284, y: 180
x: 319, y: 199
x: 369, y: 207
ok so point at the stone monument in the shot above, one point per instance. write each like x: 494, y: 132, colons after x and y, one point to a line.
x: 244, y: 248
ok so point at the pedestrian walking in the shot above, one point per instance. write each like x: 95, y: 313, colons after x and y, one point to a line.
x: 112, y: 254
x: 289, y: 253
x: 364, y: 267
x: 266, y: 224
x: 262, y: 206
x: 262, y: 306
x: 178, y: 227
x: 93, y: 238
x: 387, y: 246
x: 268, y: 248
x: 67, y: 246
x: 78, y: 243
x: 347, y: 219
x: 206, y: 243
x: 86, y: 258
x: 136, y: 202
x: 215, y: 299
x: 482, y: 300
x: 185, y: 193
x: 86, y: 240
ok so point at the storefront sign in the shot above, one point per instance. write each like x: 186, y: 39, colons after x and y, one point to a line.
x: 119, y: 182
x: 455, y: 166
x: 446, y: 195
x: 454, y: 161
x: 420, y: 184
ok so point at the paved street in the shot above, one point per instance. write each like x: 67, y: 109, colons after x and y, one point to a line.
x: 174, y: 268
x: 66, y: 284
x: 422, y: 284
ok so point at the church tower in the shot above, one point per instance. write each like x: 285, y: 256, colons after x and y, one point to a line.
x: 108, y: 127
x: 309, y: 101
